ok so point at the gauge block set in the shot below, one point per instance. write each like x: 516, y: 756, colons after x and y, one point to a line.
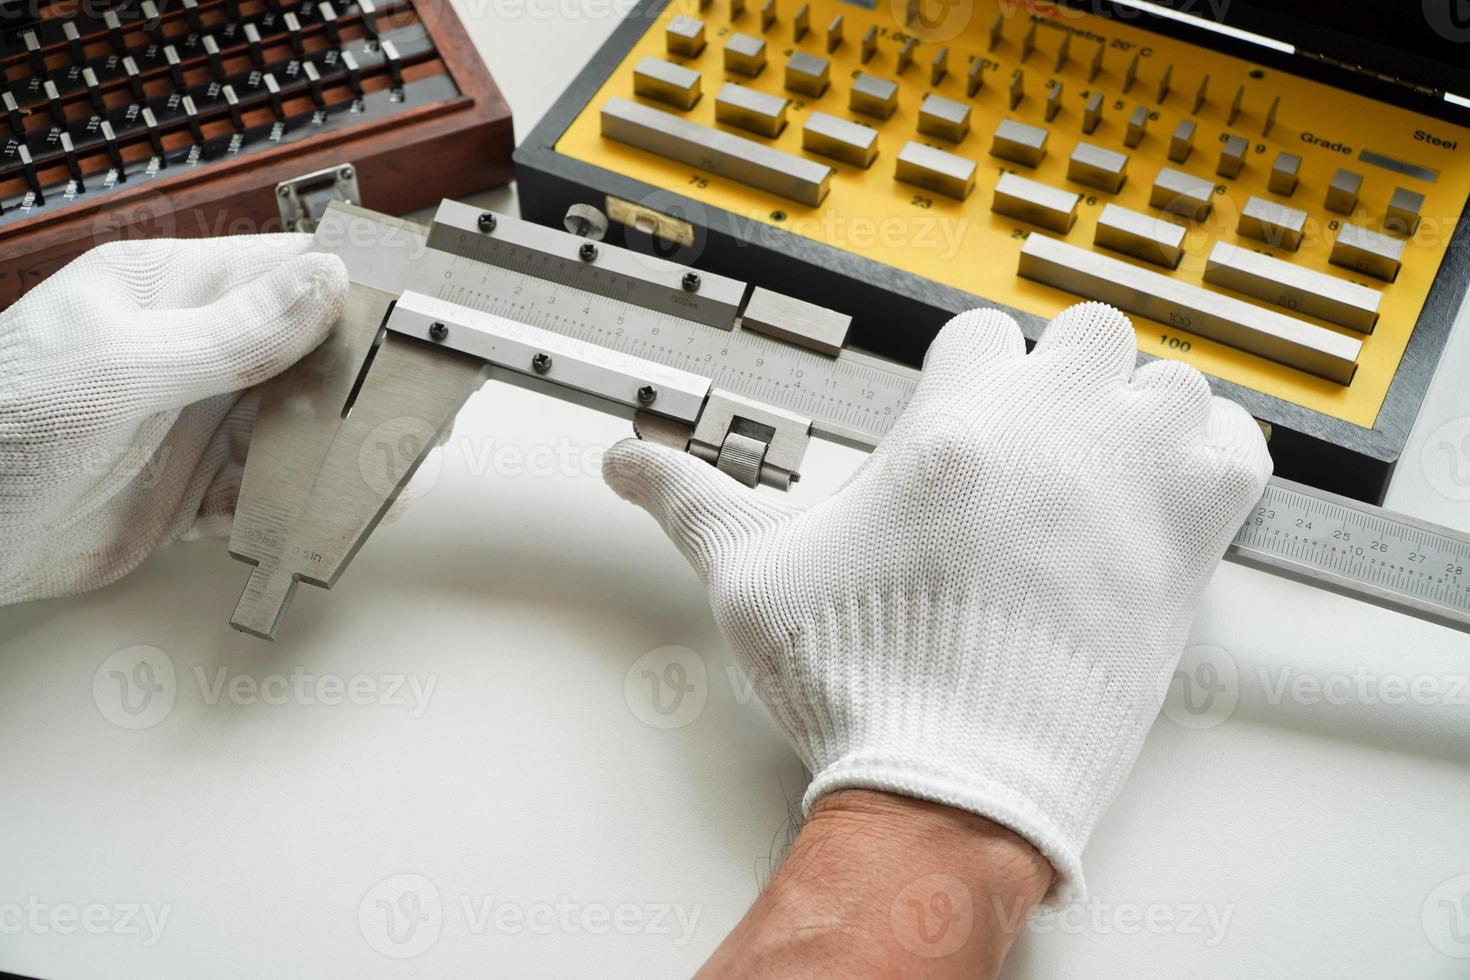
x: 192, y: 118
x: 1282, y: 223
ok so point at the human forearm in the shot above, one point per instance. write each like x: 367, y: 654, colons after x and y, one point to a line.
x: 884, y: 885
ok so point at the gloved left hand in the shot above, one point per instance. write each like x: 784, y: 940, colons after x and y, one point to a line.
x: 124, y: 415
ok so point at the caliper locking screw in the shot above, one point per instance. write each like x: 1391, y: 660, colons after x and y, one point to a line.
x: 647, y: 394
x: 691, y: 282
x: 588, y: 251
x: 486, y: 221
x: 438, y: 331
x: 541, y: 363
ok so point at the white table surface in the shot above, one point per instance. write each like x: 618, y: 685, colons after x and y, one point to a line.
x: 525, y: 811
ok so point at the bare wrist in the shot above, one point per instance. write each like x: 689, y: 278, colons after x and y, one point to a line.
x: 905, y: 825
x: 877, y: 882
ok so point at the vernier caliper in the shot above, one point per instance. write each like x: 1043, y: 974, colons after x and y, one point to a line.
x: 740, y: 377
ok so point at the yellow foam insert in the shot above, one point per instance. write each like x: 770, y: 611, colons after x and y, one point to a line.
x: 963, y: 244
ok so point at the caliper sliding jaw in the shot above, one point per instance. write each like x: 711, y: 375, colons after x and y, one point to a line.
x: 338, y: 436
x: 754, y: 443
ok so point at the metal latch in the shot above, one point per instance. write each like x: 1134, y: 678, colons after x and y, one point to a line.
x: 650, y: 222
x: 753, y: 443
x: 303, y: 200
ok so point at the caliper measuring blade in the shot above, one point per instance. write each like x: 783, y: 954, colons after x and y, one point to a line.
x: 317, y: 481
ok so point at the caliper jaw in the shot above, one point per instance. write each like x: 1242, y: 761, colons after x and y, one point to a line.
x: 335, y: 442
x: 338, y: 436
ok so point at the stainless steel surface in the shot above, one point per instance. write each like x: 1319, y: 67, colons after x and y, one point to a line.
x: 1019, y: 143
x: 944, y: 118
x: 1293, y: 287
x: 1369, y: 252
x: 684, y: 36
x: 662, y: 430
x: 1252, y: 328
x: 938, y: 66
x: 1232, y: 156
x: 1342, y: 192
x: 840, y: 139
x: 1064, y: 52
x: 741, y: 457
x: 316, y: 483
x: 783, y: 434
x: 1137, y: 127
x: 584, y: 372
x: 732, y: 157
x: 808, y: 74
x: 1182, y: 193
x: 873, y: 96
x: 906, y: 54
x: 1030, y: 200
x: 1181, y: 144
x: 1285, y: 174
x: 938, y: 171
x: 585, y: 221
x: 1142, y: 236
x: 745, y: 55
x: 1372, y: 157
x: 1054, y: 98
x: 975, y: 77
x: 301, y: 201
x: 618, y: 273
x: 1098, y: 167
x: 796, y: 321
x: 1361, y: 551
x: 762, y: 114
x: 1274, y: 224
x: 340, y: 435
x: 1092, y: 113
x: 852, y: 398
x: 1404, y: 210
x: 654, y: 78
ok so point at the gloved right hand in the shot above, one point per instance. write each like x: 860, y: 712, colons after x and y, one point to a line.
x: 989, y: 613
x: 122, y: 419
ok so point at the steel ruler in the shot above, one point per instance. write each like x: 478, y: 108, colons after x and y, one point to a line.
x: 1358, y: 550
x: 576, y: 319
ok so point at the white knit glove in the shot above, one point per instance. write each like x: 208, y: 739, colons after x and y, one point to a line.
x: 122, y: 423
x: 988, y: 614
